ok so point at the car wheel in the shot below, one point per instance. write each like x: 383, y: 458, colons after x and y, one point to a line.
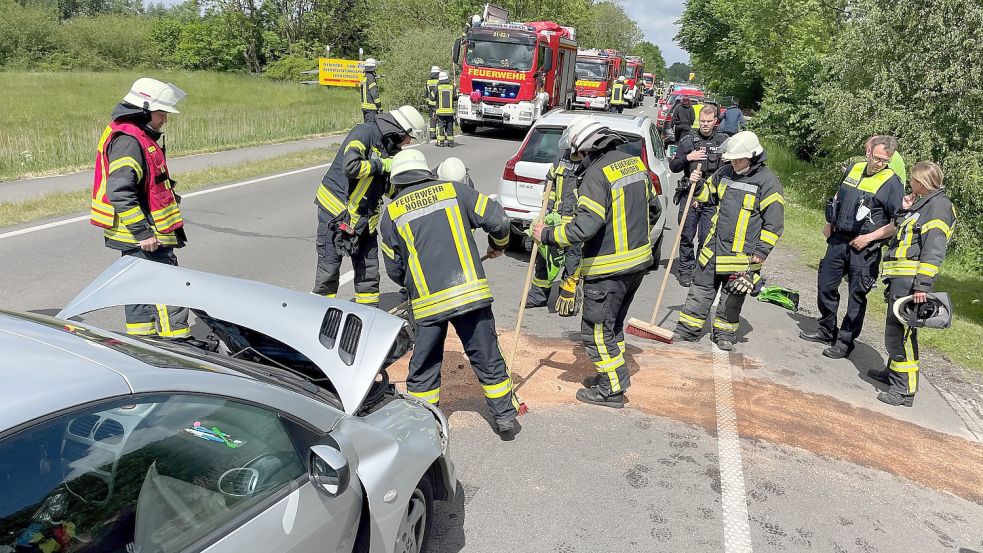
x: 468, y: 128
x: 414, y: 530
x: 516, y: 242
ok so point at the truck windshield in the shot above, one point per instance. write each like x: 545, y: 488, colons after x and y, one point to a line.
x: 500, y: 55
x: 628, y: 71
x: 592, y: 70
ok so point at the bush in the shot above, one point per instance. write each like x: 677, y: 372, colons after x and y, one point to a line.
x: 28, y: 35
x: 108, y: 41
x: 290, y: 68
x: 405, y: 67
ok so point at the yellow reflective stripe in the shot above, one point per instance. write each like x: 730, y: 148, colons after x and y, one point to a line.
x: 163, y: 320
x: 356, y: 196
x: 939, y: 225
x: 724, y: 325
x: 416, y: 271
x: 127, y: 162
x: 607, y: 363
x: 905, y: 235
x: 540, y: 283
x: 560, y: 235
x: 769, y: 237
x: 690, y: 320
x: 461, y: 242
x: 355, y: 145
x: 619, y: 220
x: 903, y: 366
x: 122, y: 234
x: 387, y: 250
x: 178, y: 333
x: 366, y: 297
x: 928, y: 269
x: 604, y: 264
x: 740, y: 233
x: 592, y: 205
x: 500, y: 241
x: 132, y: 216
x: 427, y: 307
x: 493, y: 391
x: 901, y: 267
x: 141, y: 329
x: 772, y: 198
x: 705, y: 255
x: 480, y: 205
x: 448, y: 293
x: 430, y: 396
x: 329, y: 201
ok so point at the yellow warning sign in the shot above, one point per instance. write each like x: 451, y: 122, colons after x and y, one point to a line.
x: 339, y: 72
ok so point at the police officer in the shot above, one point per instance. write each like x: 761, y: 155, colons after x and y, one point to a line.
x: 431, y: 96
x: 911, y: 265
x: 700, y: 150
x: 612, y: 223
x: 616, y: 99
x: 429, y: 247
x: 857, y: 218
x: 446, y: 100
x: 560, y: 208
x: 350, y: 197
x: 133, y: 198
x: 369, y: 86
x: 749, y: 218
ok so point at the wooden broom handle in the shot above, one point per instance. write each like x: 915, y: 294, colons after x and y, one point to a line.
x: 675, y: 248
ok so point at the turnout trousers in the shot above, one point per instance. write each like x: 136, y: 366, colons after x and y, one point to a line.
x: 539, y: 291
x: 156, y: 320
x: 900, y: 341
x: 369, y: 115
x: 433, y: 122
x: 606, y: 303
x: 445, y: 129
x: 861, y: 268
x: 480, y: 339
x: 695, y: 230
x: 706, y: 283
x: 365, y: 263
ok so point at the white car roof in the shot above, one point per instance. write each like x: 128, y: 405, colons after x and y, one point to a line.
x: 634, y: 124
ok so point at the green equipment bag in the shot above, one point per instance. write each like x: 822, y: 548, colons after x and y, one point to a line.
x: 789, y: 299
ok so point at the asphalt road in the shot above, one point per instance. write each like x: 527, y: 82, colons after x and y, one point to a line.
x: 769, y: 448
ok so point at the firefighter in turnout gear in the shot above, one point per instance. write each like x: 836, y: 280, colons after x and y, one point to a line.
x: 446, y: 100
x: 612, y: 224
x: 700, y: 150
x: 749, y: 218
x: 914, y: 255
x: 422, y: 227
x: 858, y: 218
x: 349, y: 201
x: 431, y: 96
x: 560, y: 208
x: 369, y: 87
x: 616, y: 99
x: 133, y: 198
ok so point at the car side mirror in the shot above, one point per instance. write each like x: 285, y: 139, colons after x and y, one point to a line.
x: 329, y: 470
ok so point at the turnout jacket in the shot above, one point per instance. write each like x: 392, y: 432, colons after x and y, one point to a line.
x: 370, y: 92
x: 611, y: 219
x: 749, y: 219
x: 445, y: 97
x: 353, y: 187
x: 431, y: 90
x: 617, y: 94
x: 124, y: 177
x: 428, y: 246
x: 563, y: 196
x: 919, y: 246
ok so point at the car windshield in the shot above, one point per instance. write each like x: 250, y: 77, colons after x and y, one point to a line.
x: 543, y: 145
x: 501, y: 55
x: 592, y: 70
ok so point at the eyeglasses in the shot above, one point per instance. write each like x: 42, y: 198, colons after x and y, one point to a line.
x: 879, y: 159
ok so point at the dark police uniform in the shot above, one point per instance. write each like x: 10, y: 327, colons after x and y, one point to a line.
x: 428, y: 246
x: 697, y: 224
x: 612, y: 223
x: 563, y: 202
x: 881, y: 194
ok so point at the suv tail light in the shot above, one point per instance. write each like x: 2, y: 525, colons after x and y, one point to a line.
x: 509, y: 173
x: 656, y: 182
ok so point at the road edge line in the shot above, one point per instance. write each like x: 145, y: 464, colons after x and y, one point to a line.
x: 733, y: 497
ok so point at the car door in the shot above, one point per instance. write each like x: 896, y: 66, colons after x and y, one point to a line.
x: 169, y: 472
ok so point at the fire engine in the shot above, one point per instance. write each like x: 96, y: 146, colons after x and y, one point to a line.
x: 512, y: 73
x: 596, y: 70
x: 632, y: 73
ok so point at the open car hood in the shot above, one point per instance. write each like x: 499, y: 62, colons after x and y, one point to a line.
x: 349, y: 343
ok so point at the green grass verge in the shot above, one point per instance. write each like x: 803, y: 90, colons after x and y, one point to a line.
x: 51, y: 122
x: 53, y: 205
x: 806, y: 186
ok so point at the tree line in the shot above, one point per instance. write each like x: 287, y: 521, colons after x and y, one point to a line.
x: 824, y: 75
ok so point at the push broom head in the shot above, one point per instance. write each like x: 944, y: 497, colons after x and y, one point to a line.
x: 648, y: 331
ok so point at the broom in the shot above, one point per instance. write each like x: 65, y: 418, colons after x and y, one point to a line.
x: 649, y: 330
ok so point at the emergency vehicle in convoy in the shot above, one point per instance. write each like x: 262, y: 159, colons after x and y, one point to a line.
x: 632, y: 72
x: 648, y: 84
x: 512, y: 73
x: 596, y: 70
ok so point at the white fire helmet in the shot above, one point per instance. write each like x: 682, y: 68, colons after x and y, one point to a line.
x: 153, y: 95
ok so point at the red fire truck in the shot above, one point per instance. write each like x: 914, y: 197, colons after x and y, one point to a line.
x: 596, y: 70
x: 632, y: 73
x: 511, y: 73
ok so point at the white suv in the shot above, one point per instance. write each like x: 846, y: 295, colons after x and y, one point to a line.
x: 523, y: 181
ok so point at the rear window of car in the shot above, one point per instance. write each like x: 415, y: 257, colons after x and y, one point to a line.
x: 543, y: 145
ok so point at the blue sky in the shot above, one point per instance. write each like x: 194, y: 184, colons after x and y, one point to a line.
x: 657, y: 19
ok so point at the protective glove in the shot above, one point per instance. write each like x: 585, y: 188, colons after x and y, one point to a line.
x: 566, y: 303
x: 387, y: 164
x: 739, y: 283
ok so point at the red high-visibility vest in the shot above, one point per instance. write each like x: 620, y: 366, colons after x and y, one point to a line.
x: 164, y: 211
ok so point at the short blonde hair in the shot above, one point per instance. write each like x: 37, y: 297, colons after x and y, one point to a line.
x: 929, y: 174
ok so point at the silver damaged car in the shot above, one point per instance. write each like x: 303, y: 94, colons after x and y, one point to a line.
x: 280, y: 433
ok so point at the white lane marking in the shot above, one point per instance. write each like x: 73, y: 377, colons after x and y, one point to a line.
x: 733, y: 499
x: 346, y: 278
x: 62, y: 222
